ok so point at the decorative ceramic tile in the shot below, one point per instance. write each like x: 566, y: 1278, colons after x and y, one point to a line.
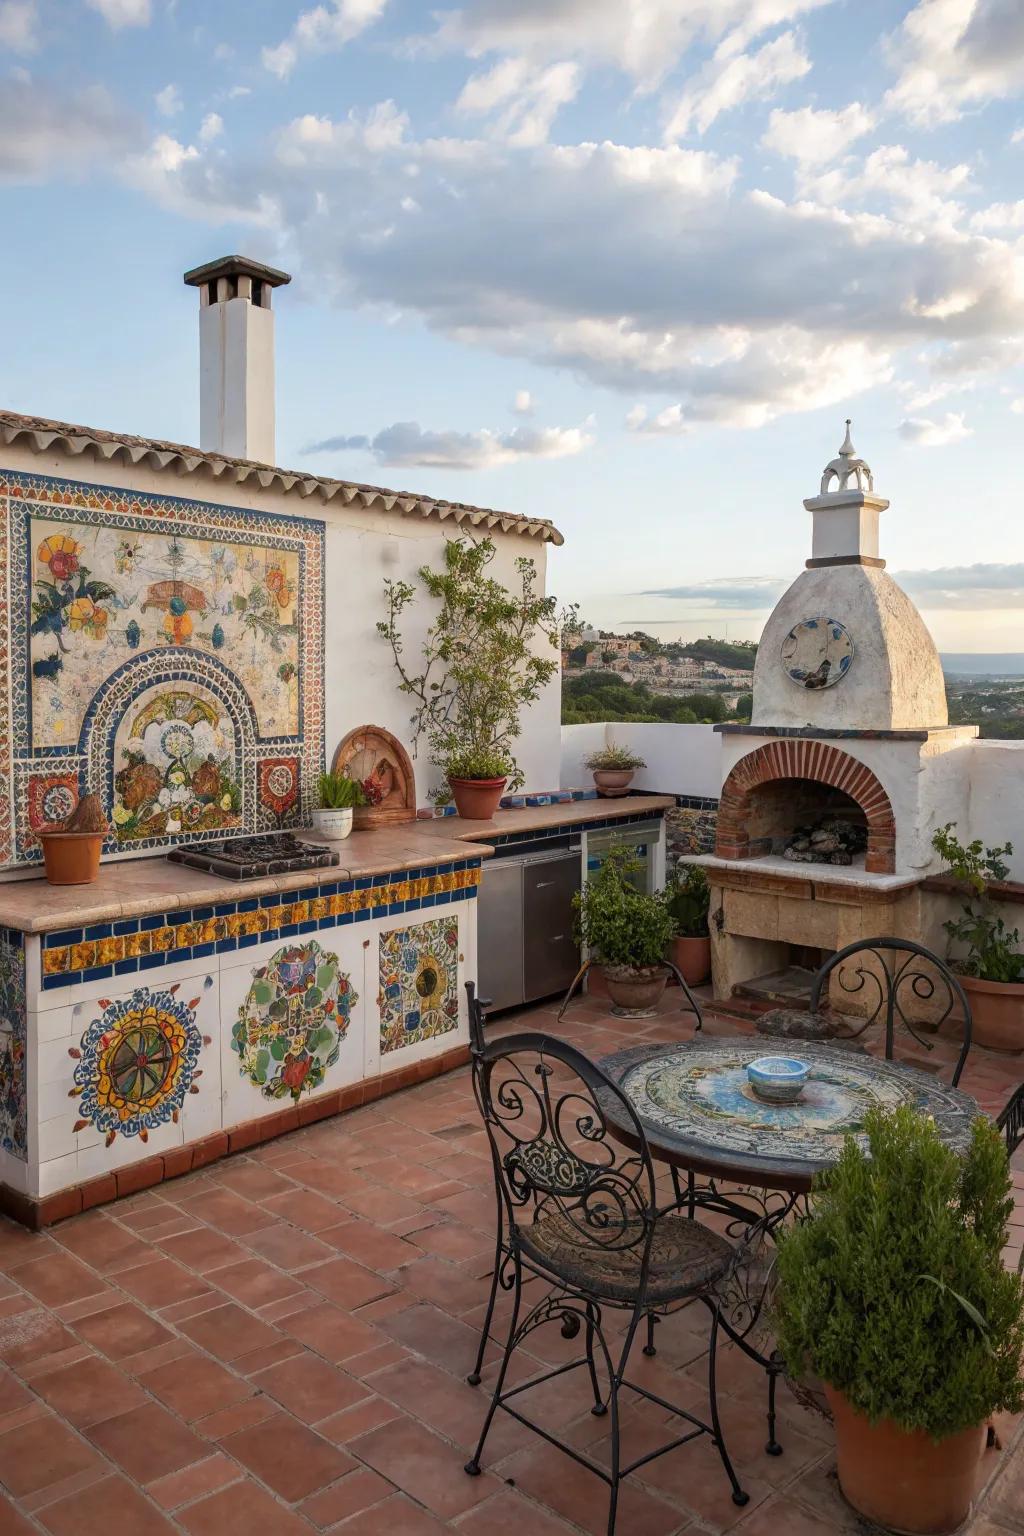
x: 295, y: 1016
x: 137, y: 1061
x: 164, y: 650
x: 279, y: 786
x: 419, y: 982
x: 13, y: 1040
x: 51, y: 797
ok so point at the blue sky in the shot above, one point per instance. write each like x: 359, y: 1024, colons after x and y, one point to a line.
x: 622, y: 263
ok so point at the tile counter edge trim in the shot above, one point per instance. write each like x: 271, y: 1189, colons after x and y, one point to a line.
x: 134, y: 944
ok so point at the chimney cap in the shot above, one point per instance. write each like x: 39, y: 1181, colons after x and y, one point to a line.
x: 236, y: 266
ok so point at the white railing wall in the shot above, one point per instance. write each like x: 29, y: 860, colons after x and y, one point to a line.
x: 681, y: 759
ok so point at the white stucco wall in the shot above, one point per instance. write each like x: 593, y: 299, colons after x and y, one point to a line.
x: 996, y: 803
x: 681, y: 759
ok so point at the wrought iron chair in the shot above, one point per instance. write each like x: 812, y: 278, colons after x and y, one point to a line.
x: 1010, y: 1120
x: 898, y: 975
x: 579, y: 1212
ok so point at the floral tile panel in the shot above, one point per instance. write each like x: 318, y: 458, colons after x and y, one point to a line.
x: 13, y: 1043
x: 419, y: 982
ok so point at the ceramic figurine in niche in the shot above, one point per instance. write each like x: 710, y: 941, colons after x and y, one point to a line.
x: 379, y: 762
x: 292, y: 1023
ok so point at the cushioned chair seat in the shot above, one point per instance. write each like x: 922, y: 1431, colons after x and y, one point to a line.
x: 685, y: 1256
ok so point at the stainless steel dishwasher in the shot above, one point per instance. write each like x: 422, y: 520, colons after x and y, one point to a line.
x: 525, y: 944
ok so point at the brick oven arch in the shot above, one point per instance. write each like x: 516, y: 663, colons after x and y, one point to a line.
x: 814, y: 760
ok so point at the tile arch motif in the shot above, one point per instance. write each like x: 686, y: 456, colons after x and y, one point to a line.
x: 815, y: 760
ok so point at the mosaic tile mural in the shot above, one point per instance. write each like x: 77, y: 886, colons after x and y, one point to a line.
x: 165, y: 650
x: 419, y: 982
x: 137, y: 1062
x: 290, y: 1027
x: 13, y: 1041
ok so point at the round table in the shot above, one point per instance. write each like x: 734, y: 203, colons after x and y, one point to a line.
x: 699, y: 1112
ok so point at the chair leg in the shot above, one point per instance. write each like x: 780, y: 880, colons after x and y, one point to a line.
x: 473, y: 1465
x: 474, y: 1377
x: 773, y: 1448
x: 738, y: 1495
x: 652, y: 1319
x: 600, y: 1406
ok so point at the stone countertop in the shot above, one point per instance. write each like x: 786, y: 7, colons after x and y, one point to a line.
x: 135, y: 887
x: 788, y: 869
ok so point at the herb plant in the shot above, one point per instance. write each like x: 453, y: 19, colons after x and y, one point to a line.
x: 894, y: 1291
x: 619, y: 924
x: 619, y: 759
x: 688, y: 899
x: 480, y: 667
x: 993, y: 952
x: 340, y: 793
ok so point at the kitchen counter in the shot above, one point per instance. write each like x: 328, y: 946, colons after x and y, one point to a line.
x: 136, y: 887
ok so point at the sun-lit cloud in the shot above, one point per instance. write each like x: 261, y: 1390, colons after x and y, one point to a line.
x: 44, y: 130
x: 815, y: 136
x: 730, y: 79
x: 954, y: 55
x: 926, y: 432
x: 19, y: 25
x: 168, y: 101
x: 406, y: 444
x: 123, y: 13
x: 324, y: 29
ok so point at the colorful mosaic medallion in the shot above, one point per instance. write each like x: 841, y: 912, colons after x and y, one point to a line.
x: 294, y: 1018
x: 177, y: 767
x: 137, y: 1062
x: 817, y: 653
x: 419, y: 983
x: 13, y: 1086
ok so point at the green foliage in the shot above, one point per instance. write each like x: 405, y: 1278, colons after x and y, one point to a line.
x: 688, y: 899
x: 992, y: 948
x: 479, y: 666
x: 740, y: 654
x: 894, y: 1291
x: 338, y: 792
x: 744, y: 706
x: 614, y: 758
x: 601, y: 696
x: 619, y: 924
x: 478, y: 763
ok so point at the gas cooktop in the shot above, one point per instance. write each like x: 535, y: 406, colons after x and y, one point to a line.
x: 247, y: 858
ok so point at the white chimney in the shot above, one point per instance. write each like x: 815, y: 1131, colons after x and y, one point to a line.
x: 845, y: 512
x: 236, y: 356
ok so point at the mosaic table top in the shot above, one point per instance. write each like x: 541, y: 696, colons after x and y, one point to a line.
x: 699, y: 1111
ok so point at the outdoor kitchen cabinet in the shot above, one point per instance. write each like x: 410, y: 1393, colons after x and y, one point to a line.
x: 525, y: 923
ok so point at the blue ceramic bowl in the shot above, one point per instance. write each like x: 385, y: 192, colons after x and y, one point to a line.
x: 778, y: 1079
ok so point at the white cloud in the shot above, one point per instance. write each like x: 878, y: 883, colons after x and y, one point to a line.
x: 956, y: 54
x: 1017, y: 407
x: 814, y: 137
x: 211, y: 128
x: 523, y: 403
x: 999, y: 216
x: 123, y: 13
x: 521, y: 100
x: 44, y: 132
x: 237, y: 91
x: 323, y: 29
x: 406, y: 445
x: 970, y: 587
x: 890, y: 181
x: 923, y: 432
x: 168, y: 101
x: 730, y: 79
x: 18, y: 22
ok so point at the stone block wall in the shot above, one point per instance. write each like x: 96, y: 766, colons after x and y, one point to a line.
x: 689, y: 828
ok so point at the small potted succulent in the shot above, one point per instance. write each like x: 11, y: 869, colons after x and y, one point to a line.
x: 688, y: 899
x: 613, y: 769
x: 339, y: 795
x: 72, y: 848
x: 992, y: 970
x: 895, y: 1295
x: 625, y: 930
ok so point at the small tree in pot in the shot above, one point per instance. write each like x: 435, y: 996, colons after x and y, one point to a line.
x: 479, y: 668
x: 688, y: 899
x: 992, y: 970
x: 895, y: 1295
x: 626, y: 931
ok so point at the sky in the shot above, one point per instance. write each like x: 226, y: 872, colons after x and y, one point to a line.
x: 626, y: 264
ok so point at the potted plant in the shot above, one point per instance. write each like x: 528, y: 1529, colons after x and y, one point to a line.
x: 339, y: 795
x: 992, y: 970
x: 688, y: 899
x: 894, y: 1293
x: 72, y: 848
x: 625, y: 930
x: 613, y: 769
x: 480, y: 668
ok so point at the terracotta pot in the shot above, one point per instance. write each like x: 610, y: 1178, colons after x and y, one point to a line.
x: 901, y: 1478
x: 997, y: 1009
x: 612, y: 782
x: 692, y: 957
x: 477, y: 799
x: 635, y: 987
x: 71, y: 858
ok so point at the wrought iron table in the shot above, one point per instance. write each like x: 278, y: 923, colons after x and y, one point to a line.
x: 701, y: 1117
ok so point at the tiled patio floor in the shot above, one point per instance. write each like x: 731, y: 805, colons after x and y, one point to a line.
x: 278, y: 1345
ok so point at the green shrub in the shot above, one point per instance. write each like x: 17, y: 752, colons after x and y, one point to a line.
x: 894, y: 1292
x: 338, y: 792
x: 688, y: 899
x: 992, y: 948
x: 617, y: 759
x: 619, y: 924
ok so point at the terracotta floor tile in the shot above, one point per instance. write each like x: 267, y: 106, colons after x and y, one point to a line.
x: 242, y: 1510
x: 426, y: 1330
x: 353, y: 1422
x: 287, y: 1456
x: 102, y: 1242
x: 579, y: 1496
x: 379, y: 1204
x: 229, y: 1332
x: 780, y: 1514
x: 371, y: 1245
x: 195, y: 1386
x: 357, y: 1491
x: 195, y: 1482
x: 450, y: 1240
x: 112, y: 1507
x: 397, y: 1516
x: 449, y: 1405
x: 228, y: 1421
x: 250, y: 1180
x: 349, y: 1284
x: 310, y: 1388
x: 57, y: 1278
x: 447, y: 1287
x: 40, y: 1453
x: 287, y: 1247
x: 305, y: 1208
x: 509, y: 1514
x: 88, y: 1391
x: 13, y: 1524
x: 123, y: 1330
x: 227, y: 1212
x: 203, y: 1250
x: 148, y: 1443
x: 255, y: 1283
x: 161, y: 1283
x: 424, y: 1466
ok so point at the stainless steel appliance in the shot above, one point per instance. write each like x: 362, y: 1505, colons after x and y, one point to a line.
x: 640, y: 838
x: 525, y: 945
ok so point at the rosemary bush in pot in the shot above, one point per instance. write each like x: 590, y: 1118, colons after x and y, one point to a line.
x: 625, y: 930
x: 992, y: 969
